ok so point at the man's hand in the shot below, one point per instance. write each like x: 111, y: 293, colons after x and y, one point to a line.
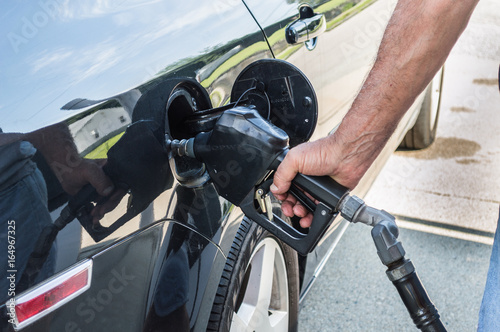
x: 90, y: 171
x: 87, y: 171
x: 74, y: 172
x: 321, y: 157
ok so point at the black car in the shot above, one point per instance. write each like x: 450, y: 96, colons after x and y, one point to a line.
x: 96, y: 85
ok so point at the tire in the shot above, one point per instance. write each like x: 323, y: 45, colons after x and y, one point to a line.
x: 423, y: 132
x: 253, y: 295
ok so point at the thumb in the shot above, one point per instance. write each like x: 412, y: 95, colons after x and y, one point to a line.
x: 94, y: 174
x: 285, y: 173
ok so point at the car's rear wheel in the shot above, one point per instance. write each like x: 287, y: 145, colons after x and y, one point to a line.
x: 258, y: 290
x: 423, y: 132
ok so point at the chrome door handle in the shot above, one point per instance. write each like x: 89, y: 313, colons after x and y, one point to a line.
x: 305, y: 29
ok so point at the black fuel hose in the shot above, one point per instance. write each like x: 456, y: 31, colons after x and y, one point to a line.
x: 415, y: 298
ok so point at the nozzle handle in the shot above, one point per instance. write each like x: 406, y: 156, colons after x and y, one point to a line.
x: 322, y: 188
x: 303, y: 243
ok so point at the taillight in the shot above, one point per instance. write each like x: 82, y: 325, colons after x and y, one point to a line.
x: 54, y: 293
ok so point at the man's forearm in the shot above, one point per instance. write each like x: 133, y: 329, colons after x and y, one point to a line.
x: 417, y: 41
x: 45, y: 139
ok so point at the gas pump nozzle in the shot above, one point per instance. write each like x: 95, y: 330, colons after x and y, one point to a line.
x: 240, y: 154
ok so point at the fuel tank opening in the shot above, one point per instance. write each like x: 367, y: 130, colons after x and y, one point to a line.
x: 186, y: 100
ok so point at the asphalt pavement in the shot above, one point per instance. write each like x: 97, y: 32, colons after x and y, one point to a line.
x: 446, y: 199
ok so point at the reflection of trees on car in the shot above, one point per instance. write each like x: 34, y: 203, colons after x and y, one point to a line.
x: 342, y: 5
x: 211, y: 66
